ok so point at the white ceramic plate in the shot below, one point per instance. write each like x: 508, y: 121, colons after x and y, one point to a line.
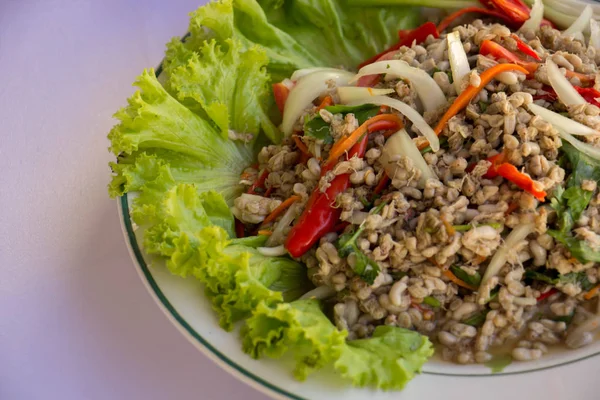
x: 555, y: 376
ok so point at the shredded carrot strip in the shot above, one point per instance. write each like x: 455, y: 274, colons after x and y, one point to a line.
x: 454, y: 279
x: 327, y: 101
x: 265, y: 232
x: 303, y: 149
x: 449, y: 228
x: 344, y: 144
x: 592, y: 292
x: 276, y: 212
x: 467, y: 95
x: 584, y: 78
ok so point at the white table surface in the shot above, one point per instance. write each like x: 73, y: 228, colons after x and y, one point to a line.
x: 75, y: 319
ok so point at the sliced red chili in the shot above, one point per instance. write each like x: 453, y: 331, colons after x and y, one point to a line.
x: 525, y: 48
x: 500, y: 53
x: 320, y: 215
x: 509, y: 172
x: 260, y: 182
x: 457, y: 14
x: 589, y: 94
x: 549, y: 293
x: 281, y: 93
x: 240, y: 230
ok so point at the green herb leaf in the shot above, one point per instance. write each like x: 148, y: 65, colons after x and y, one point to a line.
x: 477, y: 319
x: 432, y: 301
x: 483, y: 106
x: 570, y: 203
x: 316, y: 127
x: 473, y: 280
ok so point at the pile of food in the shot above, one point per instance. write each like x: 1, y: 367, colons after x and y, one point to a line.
x: 444, y: 193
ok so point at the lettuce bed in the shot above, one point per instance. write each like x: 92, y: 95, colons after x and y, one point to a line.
x: 173, y: 149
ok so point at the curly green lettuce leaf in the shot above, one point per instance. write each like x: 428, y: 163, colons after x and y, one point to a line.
x: 301, y: 327
x: 229, y: 84
x: 302, y: 33
x: 238, y: 277
x: 386, y: 361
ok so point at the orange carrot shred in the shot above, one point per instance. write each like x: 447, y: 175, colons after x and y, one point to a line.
x: 344, y: 144
x: 449, y: 228
x: 276, y: 212
x: 471, y: 91
x: 303, y: 149
x: 448, y: 274
x: 592, y: 292
x: 265, y: 232
x: 327, y: 101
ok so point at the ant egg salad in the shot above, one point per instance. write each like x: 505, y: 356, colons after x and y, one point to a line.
x: 357, y: 188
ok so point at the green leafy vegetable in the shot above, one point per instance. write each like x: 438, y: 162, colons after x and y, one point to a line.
x: 316, y: 127
x: 570, y: 203
x: 234, y: 99
x: 238, y: 277
x: 477, y: 319
x: 366, y: 268
x: 566, y: 318
x: 473, y: 280
x: 498, y: 363
x: 387, y: 360
x: 432, y: 301
x: 552, y: 277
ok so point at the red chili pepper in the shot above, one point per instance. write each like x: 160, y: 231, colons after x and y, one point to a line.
x: 320, y: 215
x: 498, y: 52
x: 525, y: 48
x: 382, y: 184
x: 589, y: 94
x: 281, y: 93
x: 511, y: 173
x: 546, y: 93
x: 457, y: 14
x: 240, y: 230
x: 549, y: 293
x: 260, y: 182
x: 382, y: 126
x: 516, y: 10
x: 407, y: 38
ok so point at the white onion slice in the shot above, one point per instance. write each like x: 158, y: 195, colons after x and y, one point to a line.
x: 272, y: 251
x: 282, y: 224
x: 400, y: 144
x: 306, y: 90
x: 582, y: 22
x: 431, y: 95
x: 501, y: 255
x: 561, y: 85
x: 319, y: 293
x: 409, y: 113
x: 535, y: 17
x: 585, y: 148
x: 300, y: 73
x: 459, y: 64
x: 349, y: 94
x: 594, y: 34
x: 561, y: 122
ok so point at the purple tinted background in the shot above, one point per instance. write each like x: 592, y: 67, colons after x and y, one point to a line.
x: 75, y: 319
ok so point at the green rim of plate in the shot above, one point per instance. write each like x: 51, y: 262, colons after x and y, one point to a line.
x: 229, y: 362
x: 169, y: 307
